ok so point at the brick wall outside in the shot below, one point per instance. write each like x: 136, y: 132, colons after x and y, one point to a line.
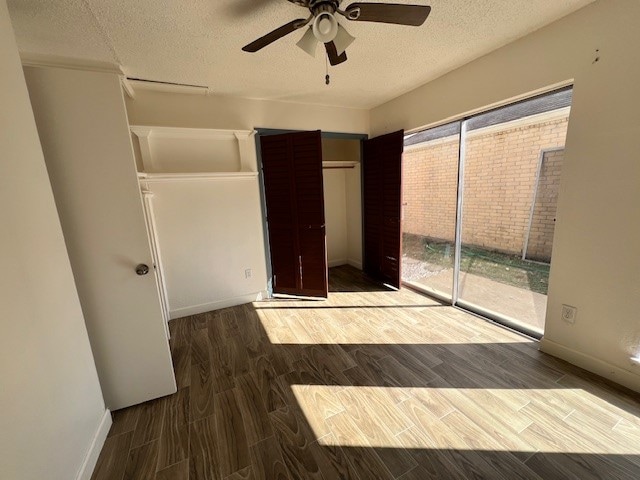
x: 429, y: 186
x: 544, y: 212
x: 500, y: 173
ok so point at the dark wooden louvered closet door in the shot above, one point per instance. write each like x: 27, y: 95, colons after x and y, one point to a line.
x: 382, y: 208
x: 292, y: 166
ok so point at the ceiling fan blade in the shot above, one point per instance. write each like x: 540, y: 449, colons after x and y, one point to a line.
x: 332, y: 52
x: 277, y: 34
x: 396, y: 13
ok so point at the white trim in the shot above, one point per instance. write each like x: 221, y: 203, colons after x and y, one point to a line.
x: 354, y: 263
x: 99, y: 437
x: 54, y: 61
x: 174, y: 177
x: 128, y: 88
x: 337, y: 263
x: 600, y: 367
x: 173, y: 132
x: 152, y: 230
x: 247, y: 148
x: 208, y: 307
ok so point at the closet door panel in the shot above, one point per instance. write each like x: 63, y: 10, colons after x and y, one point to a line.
x: 382, y: 190
x: 292, y: 165
x: 277, y: 164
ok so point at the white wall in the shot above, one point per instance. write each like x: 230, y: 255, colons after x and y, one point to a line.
x: 335, y: 215
x: 340, y: 149
x: 595, y: 261
x: 199, y: 111
x: 342, y: 203
x: 50, y: 398
x: 210, y: 232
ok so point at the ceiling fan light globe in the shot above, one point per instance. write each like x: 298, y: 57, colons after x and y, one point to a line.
x: 343, y: 40
x: 308, y: 42
x: 325, y: 27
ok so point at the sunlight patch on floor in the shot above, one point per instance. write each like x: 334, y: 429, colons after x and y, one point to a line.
x: 305, y: 325
x: 562, y: 420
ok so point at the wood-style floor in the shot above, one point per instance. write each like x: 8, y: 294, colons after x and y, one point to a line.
x: 370, y: 384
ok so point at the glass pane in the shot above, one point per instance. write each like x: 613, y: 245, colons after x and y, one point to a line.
x: 429, y: 186
x: 512, y: 166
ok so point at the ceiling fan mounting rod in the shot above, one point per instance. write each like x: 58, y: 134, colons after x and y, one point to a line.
x: 318, y: 6
x: 333, y: 7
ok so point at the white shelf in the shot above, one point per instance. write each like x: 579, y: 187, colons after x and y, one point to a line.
x: 172, y: 177
x: 165, y: 150
x: 177, y: 132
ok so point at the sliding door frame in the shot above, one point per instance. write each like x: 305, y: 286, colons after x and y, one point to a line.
x: 454, y: 300
x: 459, y: 205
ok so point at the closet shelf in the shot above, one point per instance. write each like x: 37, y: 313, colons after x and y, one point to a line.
x: 190, y: 133
x: 170, y: 177
x: 338, y: 164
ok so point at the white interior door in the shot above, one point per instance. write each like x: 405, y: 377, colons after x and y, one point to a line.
x: 84, y: 131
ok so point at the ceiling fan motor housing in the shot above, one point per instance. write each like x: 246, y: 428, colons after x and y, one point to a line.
x: 317, y: 5
x: 325, y: 24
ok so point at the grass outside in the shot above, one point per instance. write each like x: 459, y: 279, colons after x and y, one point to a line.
x: 500, y: 267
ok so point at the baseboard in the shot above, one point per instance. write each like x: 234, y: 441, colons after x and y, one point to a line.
x: 336, y: 263
x: 595, y: 365
x: 91, y: 458
x: 355, y: 263
x: 217, y: 305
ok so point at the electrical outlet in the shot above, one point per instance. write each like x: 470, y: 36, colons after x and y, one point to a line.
x: 569, y: 314
x: 247, y: 273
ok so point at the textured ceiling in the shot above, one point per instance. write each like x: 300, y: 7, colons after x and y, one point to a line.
x: 198, y: 42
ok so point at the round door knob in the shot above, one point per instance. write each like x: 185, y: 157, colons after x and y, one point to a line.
x: 142, y: 269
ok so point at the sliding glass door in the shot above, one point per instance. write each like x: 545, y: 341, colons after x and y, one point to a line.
x: 430, y: 186
x: 480, y: 200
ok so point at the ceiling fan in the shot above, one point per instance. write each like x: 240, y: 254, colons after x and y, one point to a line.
x: 324, y: 27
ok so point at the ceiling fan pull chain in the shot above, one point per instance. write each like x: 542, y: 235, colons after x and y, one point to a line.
x: 327, y: 78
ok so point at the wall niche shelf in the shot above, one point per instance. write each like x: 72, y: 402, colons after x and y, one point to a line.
x: 172, y: 153
x: 171, y: 177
